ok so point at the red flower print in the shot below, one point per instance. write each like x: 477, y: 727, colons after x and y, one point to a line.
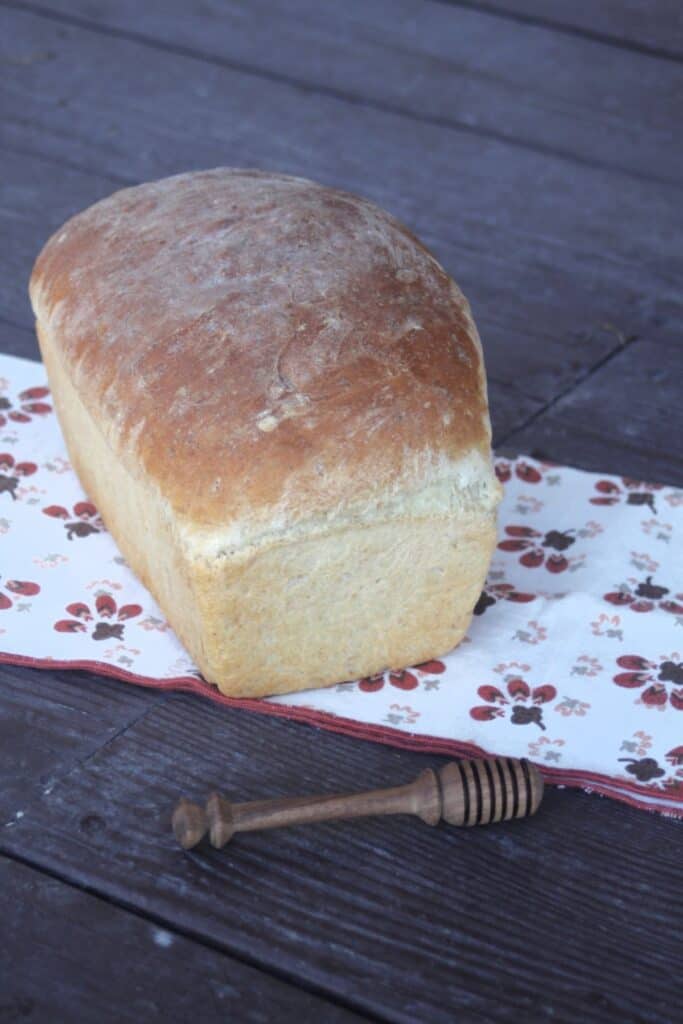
x: 532, y: 543
x: 632, y: 484
x: 84, y: 520
x: 27, y: 406
x: 641, y: 671
x: 529, y: 474
x: 525, y: 709
x: 675, y: 757
x: 405, y: 679
x: 632, y: 492
x: 499, y: 592
x: 523, y: 471
x: 11, y: 471
x: 104, y: 628
x: 645, y: 597
x: 21, y: 588
x: 503, y: 470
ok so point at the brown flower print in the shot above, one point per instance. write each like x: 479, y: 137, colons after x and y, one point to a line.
x: 645, y: 597
x: 644, y: 769
x: 406, y: 679
x: 632, y: 492
x: 18, y: 588
x: 535, y: 544
x: 11, y: 472
x: 84, y: 521
x: 525, y: 709
x: 662, y: 679
x: 666, y: 776
x: 493, y: 592
x: 29, y: 404
x: 107, y: 623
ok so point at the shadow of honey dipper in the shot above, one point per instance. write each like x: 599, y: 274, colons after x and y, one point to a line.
x: 467, y: 793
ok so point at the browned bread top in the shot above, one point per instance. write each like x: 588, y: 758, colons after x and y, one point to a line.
x: 260, y: 345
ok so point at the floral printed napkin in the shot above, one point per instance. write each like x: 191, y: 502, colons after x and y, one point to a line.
x: 572, y: 659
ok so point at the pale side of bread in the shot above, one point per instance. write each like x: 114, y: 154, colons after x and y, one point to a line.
x: 276, y: 398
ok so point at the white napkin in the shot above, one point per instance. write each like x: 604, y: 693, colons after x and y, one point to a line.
x: 572, y: 659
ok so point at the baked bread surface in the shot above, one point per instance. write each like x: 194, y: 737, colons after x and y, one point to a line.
x: 276, y: 397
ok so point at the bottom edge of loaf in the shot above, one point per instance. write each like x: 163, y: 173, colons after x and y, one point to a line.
x: 256, y: 688
x: 338, y: 608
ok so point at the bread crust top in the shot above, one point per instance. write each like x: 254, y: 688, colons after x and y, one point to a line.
x: 262, y: 346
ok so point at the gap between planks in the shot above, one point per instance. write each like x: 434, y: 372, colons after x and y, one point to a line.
x: 621, y: 346
x: 71, y: 165
x: 339, y: 95
x: 81, y: 762
x: 538, y: 21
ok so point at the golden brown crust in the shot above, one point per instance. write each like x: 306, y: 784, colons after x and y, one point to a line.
x: 255, y: 342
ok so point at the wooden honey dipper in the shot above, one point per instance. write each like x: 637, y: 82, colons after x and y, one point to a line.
x: 461, y: 793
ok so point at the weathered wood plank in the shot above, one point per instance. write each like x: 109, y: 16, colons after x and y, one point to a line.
x: 48, y: 725
x: 91, y: 815
x: 451, y: 64
x: 67, y: 956
x: 36, y: 196
x: 407, y: 923
x: 655, y: 26
x: 410, y: 923
x: 546, y: 250
x: 18, y: 341
x: 626, y: 418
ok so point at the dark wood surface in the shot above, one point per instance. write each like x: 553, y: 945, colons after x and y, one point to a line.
x: 57, y: 939
x: 536, y: 148
x: 654, y: 27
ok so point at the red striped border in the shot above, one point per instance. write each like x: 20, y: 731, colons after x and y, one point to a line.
x: 619, y: 789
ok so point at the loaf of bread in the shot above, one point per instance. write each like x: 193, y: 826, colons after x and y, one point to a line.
x: 276, y: 397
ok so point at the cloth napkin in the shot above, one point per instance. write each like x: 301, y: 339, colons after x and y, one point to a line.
x: 572, y: 658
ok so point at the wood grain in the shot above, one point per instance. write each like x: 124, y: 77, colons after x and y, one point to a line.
x: 542, y: 249
x: 36, y: 197
x: 475, y: 792
x: 626, y: 418
x: 451, y: 65
x: 16, y: 340
x: 486, y: 144
x: 409, y: 923
x: 67, y: 956
x: 48, y: 726
x: 654, y: 27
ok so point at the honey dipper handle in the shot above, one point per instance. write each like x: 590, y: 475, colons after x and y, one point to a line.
x: 462, y: 793
x: 419, y: 797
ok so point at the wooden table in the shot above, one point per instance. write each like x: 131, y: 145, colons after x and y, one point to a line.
x: 535, y: 146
